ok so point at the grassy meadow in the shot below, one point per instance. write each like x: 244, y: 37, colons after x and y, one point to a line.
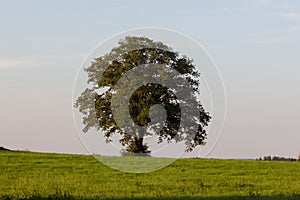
x: 26, y: 175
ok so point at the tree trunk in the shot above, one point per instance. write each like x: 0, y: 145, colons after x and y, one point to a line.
x: 138, y: 141
x: 136, y: 145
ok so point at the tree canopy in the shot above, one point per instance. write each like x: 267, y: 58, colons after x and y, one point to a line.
x: 132, y: 78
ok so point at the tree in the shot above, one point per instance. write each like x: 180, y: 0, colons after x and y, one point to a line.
x: 155, y: 60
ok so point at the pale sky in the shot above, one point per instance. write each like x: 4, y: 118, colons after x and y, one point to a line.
x: 255, y: 45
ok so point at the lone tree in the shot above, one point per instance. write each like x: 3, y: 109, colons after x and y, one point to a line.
x: 106, y: 71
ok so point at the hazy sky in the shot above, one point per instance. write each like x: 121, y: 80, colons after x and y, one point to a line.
x: 255, y: 44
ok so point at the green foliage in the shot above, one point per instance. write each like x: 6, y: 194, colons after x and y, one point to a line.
x: 105, y: 72
x: 39, y: 176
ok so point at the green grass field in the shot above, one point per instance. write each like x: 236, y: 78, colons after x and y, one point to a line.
x: 25, y: 175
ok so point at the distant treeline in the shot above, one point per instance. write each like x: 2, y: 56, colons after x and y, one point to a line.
x: 4, y: 149
x: 277, y: 158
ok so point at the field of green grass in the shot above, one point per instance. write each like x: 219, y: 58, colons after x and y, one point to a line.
x: 33, y: 176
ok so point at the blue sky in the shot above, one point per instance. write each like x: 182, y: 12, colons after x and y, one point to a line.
x: 255, y: 44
